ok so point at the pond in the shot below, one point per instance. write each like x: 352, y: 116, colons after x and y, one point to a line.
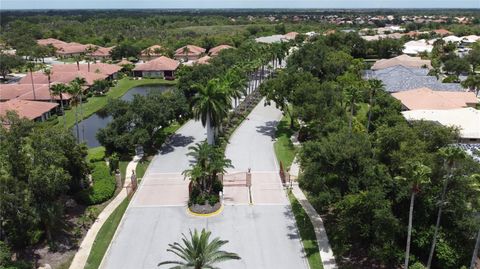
x: 89, y: 127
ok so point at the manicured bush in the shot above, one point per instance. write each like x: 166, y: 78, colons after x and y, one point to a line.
x: 103, y: 187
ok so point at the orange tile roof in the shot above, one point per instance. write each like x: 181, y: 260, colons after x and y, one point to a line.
x: 102, y: 68
x: 403, y: 60
x: 192, y: 50
x: 26, y: 109
x: 62, y: 77
x: 442, y: 32
x: 50, y: 41
x: 291, y: 35
x: 425, y: 98
x: 151, y: 50
x: 204, y: 60
x: 101, y: 51
x: 216, y: 50
x: 25, y: 92
x: 158, y: 64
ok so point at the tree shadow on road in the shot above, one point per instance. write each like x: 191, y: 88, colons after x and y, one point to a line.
x: 175, y: 141
x: 268, y: 129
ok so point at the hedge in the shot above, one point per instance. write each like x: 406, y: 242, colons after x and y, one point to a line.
x: 103, y: 187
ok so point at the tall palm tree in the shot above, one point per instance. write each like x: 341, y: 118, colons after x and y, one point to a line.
x: 30, y: 67
x: 75, y: 90
x: 418, y: 175
x: 48, y: 72
x: 235, y: 84
x: 211, y: 105
x: 374, y: 85
x: 81, y: 82
x: 186, y: 51
x: 199, y: 252
x: 78, y: 59
x: 89, y: 51
x: 351, y: 92
x: 451, y: 156
x: 59, y: 90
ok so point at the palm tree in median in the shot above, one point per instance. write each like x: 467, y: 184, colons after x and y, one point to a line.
x: 211, y: 105
x: 451, y: 155
x: 374, y: 85
x: 59, y: 90
x: 199, y: 252
x: 418, y: 175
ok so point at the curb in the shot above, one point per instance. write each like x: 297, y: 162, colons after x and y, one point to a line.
x: 220, y: 210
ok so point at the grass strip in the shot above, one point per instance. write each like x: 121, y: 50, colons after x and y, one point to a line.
x: 307, y: 233
x: 105, y: 235
x: 284, y: 148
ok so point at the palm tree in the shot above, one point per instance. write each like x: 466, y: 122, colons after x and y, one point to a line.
x: 59, y: 90
x: 48, y: 72
x: 211, y: 105
x: 81, y: 82
x: 30, y: 67
x: 89, y: 51
x: 77, y: 59
x: 352, y: 92
x: 198, y: 252
x: 186, y: 51
x: 235, y: 84
x: 451, y: 156
x: 374, y: 85
x: 75, y: 90
x: 418, y: 175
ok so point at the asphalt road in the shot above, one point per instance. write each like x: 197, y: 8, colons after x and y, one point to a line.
x: 263, y: 234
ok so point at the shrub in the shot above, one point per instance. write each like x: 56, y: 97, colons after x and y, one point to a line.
x: 103, y: 186
x: 217, y: 186
x: 213, y: 199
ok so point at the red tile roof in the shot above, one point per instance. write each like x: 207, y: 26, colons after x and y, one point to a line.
x: 204, y: 60
x: 50, y: 41
x: 62, y: 77
x: 26, y: 109
x: 123, y: 62
x: 425, y: 98
x: 215, y: 50
x: 159, y: 64
x: 151, y: 50
x: 101, y: 51
x: 102, y: 68
x: 192, y: 50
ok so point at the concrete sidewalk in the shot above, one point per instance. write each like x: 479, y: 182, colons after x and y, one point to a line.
x: 80, y: 259
x: 326, y: 253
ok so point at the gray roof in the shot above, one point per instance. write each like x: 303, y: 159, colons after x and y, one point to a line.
x: 400, y: 78
x: 271, y: 39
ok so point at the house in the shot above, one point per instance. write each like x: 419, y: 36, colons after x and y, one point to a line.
x: 70, y: 49
x: 216, y: 50
x: 25, y: 92
x: 442, y: 32
x: 151, y: 52
x: 467, y: 120
x: 124, y: 62
x: 425, y: 98
x: 32, y: 110
x: 163, y: 67
x: 100, y: 53
x: 62, y: 77
x: 271, y: 39
x: 109, y: 70
x: 416, y: 46
x: 290, y: 35
x: 403, y: 60
x: 50, y: 41
x: 204, y: 60
x: 401, y: 78
x: 470, y: 39
x: 452, y: 38
x: 189, y: 53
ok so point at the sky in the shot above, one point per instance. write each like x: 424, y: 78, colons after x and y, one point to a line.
x: 131, y: 4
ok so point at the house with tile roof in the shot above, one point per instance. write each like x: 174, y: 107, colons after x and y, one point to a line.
x: 425, y: 98
x: 401, y: 78
x: 403, y: 60
x: 109, y: 70
x: 101, y: 53
x: 62, y: 77
x: 25, y: 92
x: 189, y: 53
x: 162, y: 67
x: 216, y: 50
x: 32, y: 110
x: 151, y: 52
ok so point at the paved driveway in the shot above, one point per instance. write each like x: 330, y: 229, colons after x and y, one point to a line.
x: 263, y: 234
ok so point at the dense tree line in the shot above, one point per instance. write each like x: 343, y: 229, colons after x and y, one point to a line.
x: 362, y: 163
x: 39, y: 170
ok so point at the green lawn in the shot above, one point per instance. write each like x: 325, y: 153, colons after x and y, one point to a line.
x: 141, y: 168
x: 307, y: 233
x: 105, y: 235
x: 96, y: 103
x: 96, y: 154
x: 284, y: 148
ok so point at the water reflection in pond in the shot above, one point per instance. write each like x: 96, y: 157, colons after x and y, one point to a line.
x: 99, y: 120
